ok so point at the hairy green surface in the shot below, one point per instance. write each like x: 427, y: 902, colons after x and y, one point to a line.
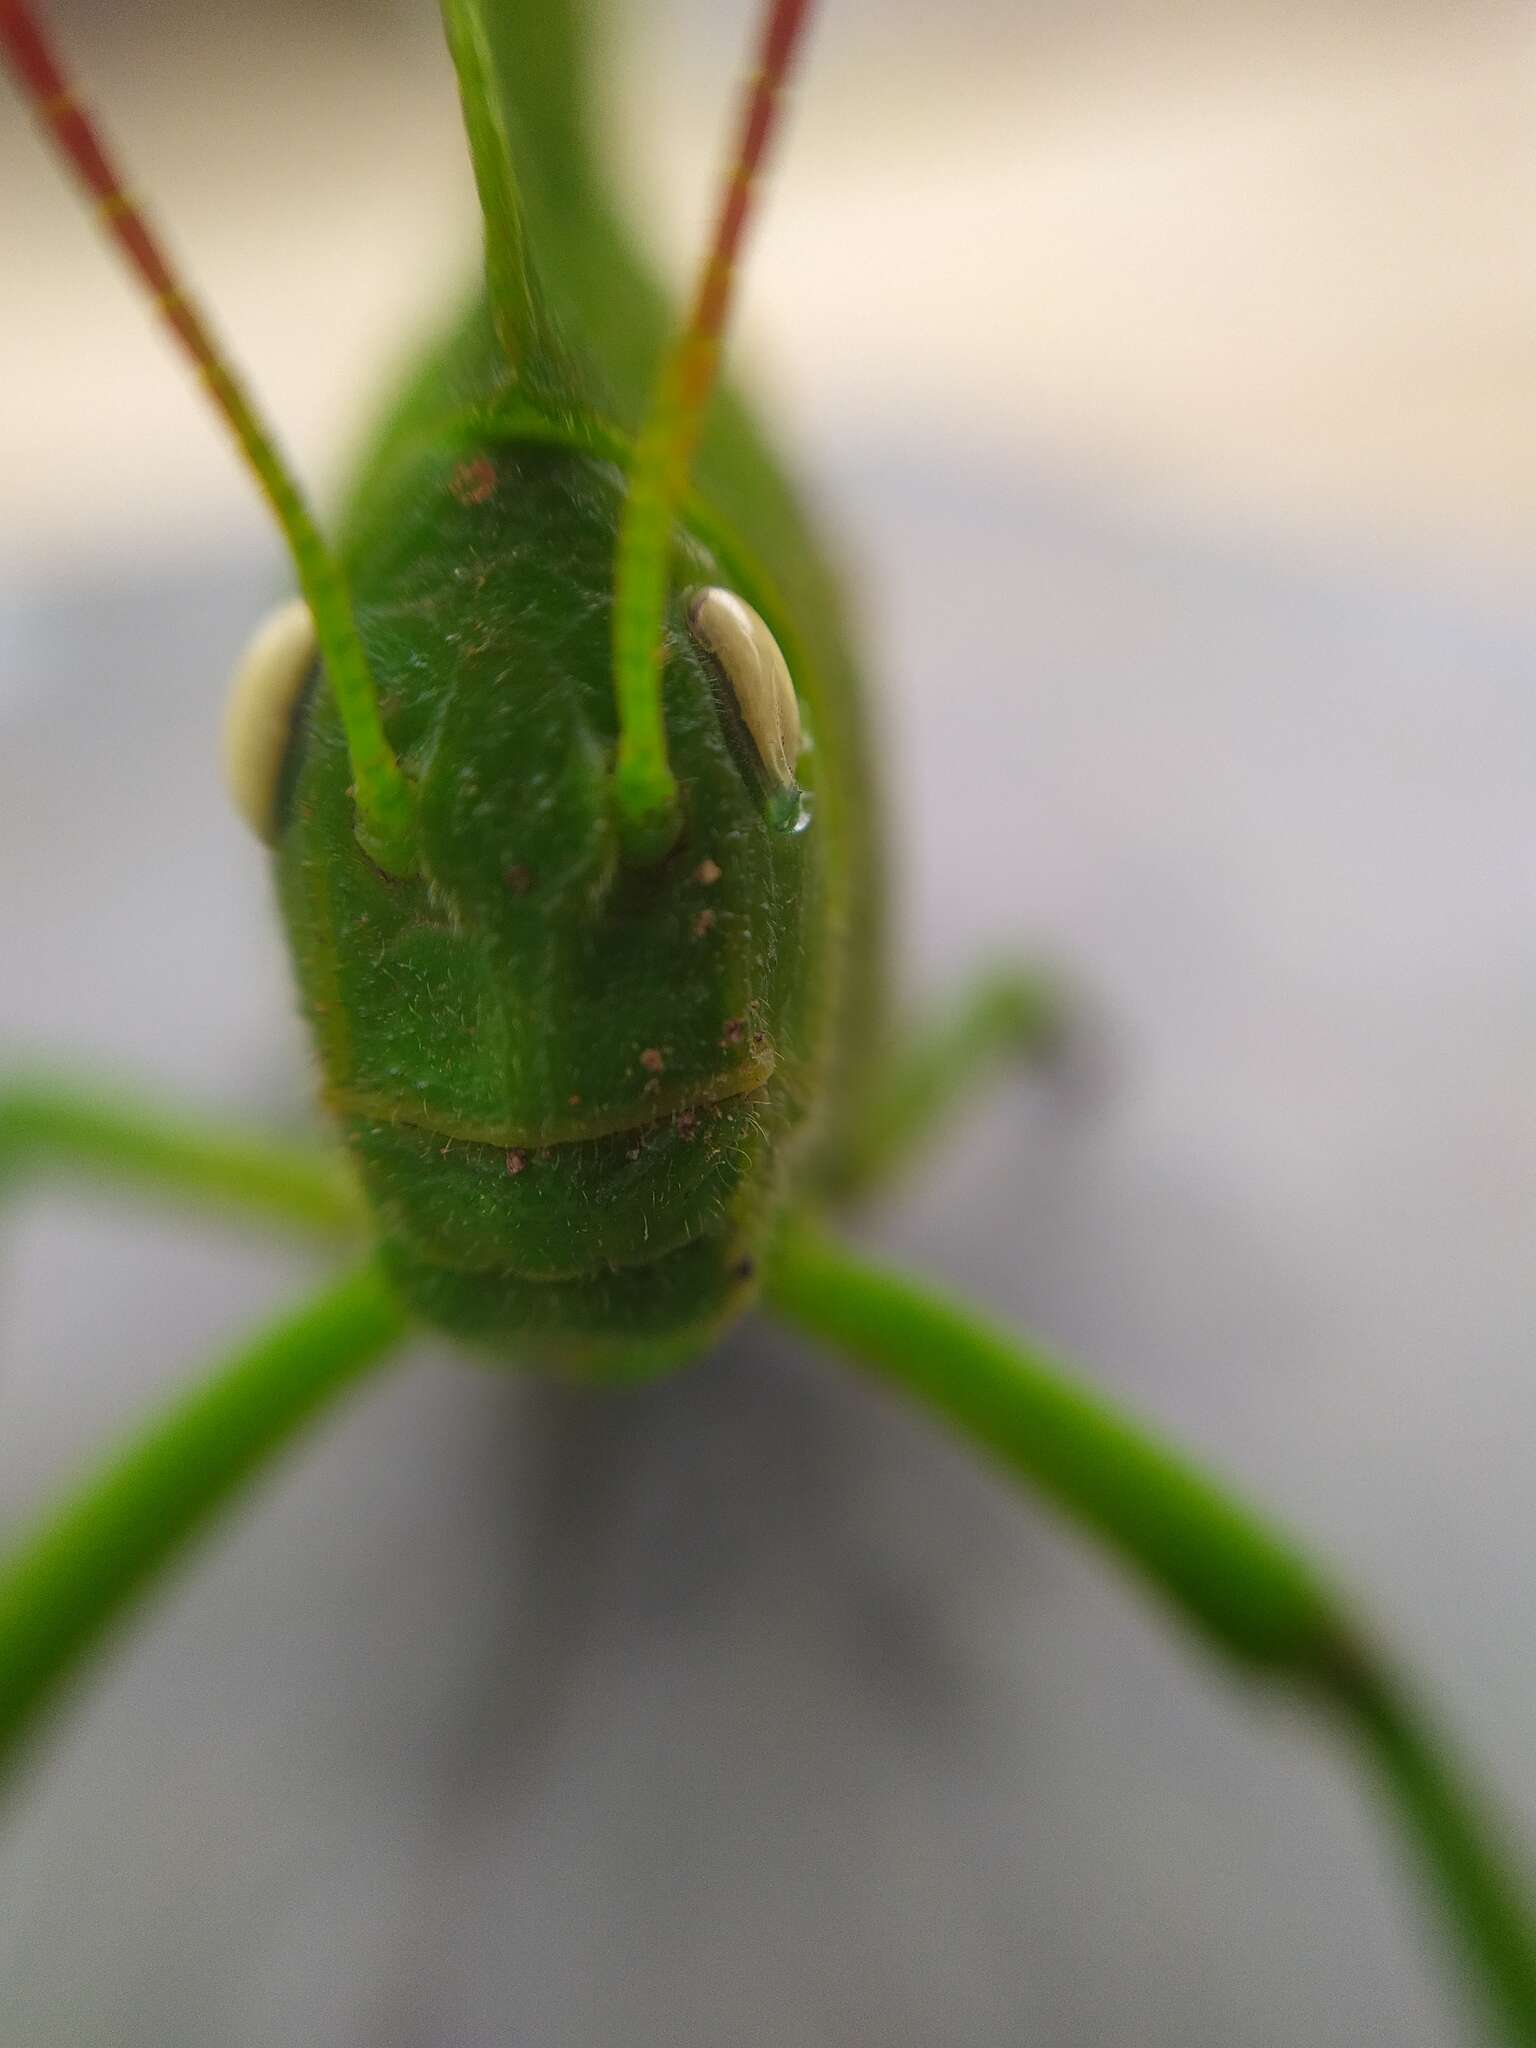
x: 550, y: 1065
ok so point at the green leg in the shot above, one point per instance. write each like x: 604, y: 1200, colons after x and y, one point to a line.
x: 1244, y: 1589
x: 69, y: 1579
x: 48, y: 1126
x: 1015, y: 1015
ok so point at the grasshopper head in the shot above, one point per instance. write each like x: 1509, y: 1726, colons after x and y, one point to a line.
x: 569, y: 1079
x: 560, y: 920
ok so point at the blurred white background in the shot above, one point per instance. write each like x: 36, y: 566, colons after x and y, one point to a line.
x: 1269, y: 266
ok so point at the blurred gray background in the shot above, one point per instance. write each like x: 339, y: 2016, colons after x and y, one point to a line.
x: 1167, y: 377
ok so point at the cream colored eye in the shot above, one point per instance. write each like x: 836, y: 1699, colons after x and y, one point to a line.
x: 266, y: 686
x: 758, y: 675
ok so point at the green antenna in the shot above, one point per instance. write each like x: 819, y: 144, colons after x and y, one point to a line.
x: 506, y: 252
x: 385, y: 810
x: 645, y: 788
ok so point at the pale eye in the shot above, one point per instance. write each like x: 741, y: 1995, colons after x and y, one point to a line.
x: 257, y: 725
x: 758, y: 675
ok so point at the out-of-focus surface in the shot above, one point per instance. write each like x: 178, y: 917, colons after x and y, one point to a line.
x: 1169, y: 381
x: 1270, y: 263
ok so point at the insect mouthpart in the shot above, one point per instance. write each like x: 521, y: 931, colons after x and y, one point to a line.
x: 585, y: 1236
x: 574, y: 1123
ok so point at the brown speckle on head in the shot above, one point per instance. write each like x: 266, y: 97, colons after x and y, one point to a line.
x: 685, y: 1123
x: 573, y: 1101
x: 473, y: 482
x: 652, y: 1060
x: 735, y: 1031
x: 517, y: 1159
x: 517, y: 880
x: 703, y: 924
x: 707, y: 872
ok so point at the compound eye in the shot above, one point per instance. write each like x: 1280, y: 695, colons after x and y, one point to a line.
x: 747, y: 652
x: 259, y: 721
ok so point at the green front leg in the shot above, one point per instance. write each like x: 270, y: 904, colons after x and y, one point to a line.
x: 66, y: 1582
x: 1246, y: 1590
x: 50, y: 1127
x: 1015, y: 1016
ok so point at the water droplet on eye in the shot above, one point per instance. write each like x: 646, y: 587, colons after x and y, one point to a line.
x: 792, y: 811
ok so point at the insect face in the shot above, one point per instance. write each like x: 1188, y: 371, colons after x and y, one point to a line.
x: 568, y: 1081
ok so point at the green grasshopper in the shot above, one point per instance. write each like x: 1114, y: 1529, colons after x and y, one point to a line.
x: 563, y: 766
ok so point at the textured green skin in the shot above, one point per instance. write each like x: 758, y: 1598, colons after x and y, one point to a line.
x: 577, y: 1093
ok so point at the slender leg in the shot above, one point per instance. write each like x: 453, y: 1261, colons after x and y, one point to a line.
x: 68, y: 1580
x: 1243, y: 1588
x: 1007, y: 1015
x: 48, y: 1126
